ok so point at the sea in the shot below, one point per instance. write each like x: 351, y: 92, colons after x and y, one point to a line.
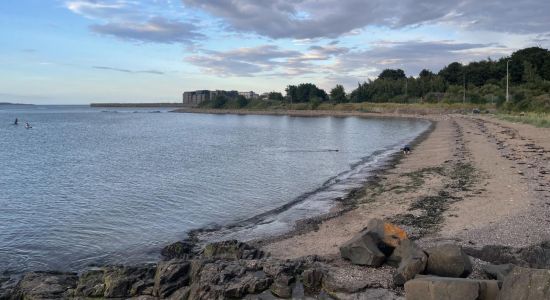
x: 93, y: 186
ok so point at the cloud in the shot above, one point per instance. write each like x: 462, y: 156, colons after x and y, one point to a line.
x: 156, y: 30
x: 128, y: 71
x: 333, y: 18
x: 413, y: 56
x: 151, y: 22
x: 268, y: 60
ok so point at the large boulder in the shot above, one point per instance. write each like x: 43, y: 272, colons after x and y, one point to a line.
x: 444, y: 288
x: 388, y: 234
x: 171, y: 276
x: 47, y: 285
x: 362, y: 249
x: 448, y: 261
x: 526, y: 284
x: 498, y: 272
x: 232, y: 249
x: 534, y: 256
x: 411, y: 261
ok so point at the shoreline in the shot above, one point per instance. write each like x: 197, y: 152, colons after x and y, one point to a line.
x: 475, y: 181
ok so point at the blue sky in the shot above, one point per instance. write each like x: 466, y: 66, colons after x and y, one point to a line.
x: 81, y: 51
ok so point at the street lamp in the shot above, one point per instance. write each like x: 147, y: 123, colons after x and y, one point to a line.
x: 507, y: 81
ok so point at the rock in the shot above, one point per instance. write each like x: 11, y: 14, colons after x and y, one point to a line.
x: 389, y: 234
x: 312, y: 279
x: 523, y: 283
x: 497, y: 272
x: 281, y: 287
x: 369, y: 294
x: 273, y: 267
x: 171, y: 276
x: 180, y: 250
x: 47, y: 285
x: 250, y: 284
x: 535, y: 256
x: 412, y: 260
x: 448, y: 261
x: 7, y: 287
x: 444, y: 288
x: 232, y: 249
x: 181, y: 294
x: 91, y: 284
x: 128, y: 281
x: 363, y: 250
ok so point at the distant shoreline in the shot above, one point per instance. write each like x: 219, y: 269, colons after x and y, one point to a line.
x: 130, y: 105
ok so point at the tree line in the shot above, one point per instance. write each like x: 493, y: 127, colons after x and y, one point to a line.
x: 477, y: 82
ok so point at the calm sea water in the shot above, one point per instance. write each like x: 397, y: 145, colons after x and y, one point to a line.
x: 86, y: 186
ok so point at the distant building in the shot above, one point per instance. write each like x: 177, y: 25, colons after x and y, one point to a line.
x: 194, y: 98
x: 249, y: 95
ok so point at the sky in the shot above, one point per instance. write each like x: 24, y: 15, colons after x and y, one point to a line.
x: 82, y: 51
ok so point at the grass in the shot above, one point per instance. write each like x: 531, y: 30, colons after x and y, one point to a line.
x: 535, y: 119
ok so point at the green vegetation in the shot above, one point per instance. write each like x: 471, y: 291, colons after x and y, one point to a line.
x: 479, y: 84
x: 536, y: 119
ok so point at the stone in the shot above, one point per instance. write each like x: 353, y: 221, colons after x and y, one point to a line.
x: 180, y: 250
x: 181, y: 294
x: 232, y: 249
x: 369, y: 294
x: 535, y: 256
x: 448, y: 261
x: 312, y: 279
x: 171, y: 276
x: 91, y: 284
x: 281, y: 287
x: 46, y: 285
x: 526, y: 284
x: 497, y: 272
x: 128, y: 281
x: 444, y: 288
x: 389, y: 234
x: 362, y: 249
x: 412, y: 260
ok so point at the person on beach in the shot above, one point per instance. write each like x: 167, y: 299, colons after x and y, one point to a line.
x: 407, y: 150
x: 16, y: 121
x: 27, y: 125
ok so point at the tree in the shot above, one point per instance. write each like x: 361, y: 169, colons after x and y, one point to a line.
x: 426, y: 74
x: 392, y: 74
x: 219, y: 101
x: 275, y: 96
x: 242, y: 101
x: 452, y: 73
x: 338, y: 94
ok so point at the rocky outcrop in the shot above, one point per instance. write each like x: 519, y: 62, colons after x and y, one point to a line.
x: 526, y: 284
x: 448, y: 261
x: 180, y: 250
x: 441, y: 288
x: 171, y: 276
x: 46, y: 285
x: 411, y: 260
x: 128, y: 281
x: 91, y: 284
x: 232, y: 249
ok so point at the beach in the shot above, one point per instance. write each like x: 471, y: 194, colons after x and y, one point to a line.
x: 470, y: 180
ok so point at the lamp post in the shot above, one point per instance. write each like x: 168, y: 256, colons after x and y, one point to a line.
x: 507, y: 81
